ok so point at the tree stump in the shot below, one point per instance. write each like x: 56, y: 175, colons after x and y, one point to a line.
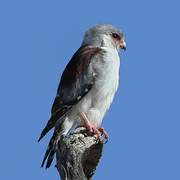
x: 78, y: 155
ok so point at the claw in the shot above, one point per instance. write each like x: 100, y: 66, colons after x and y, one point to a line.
x: 99, y: 133
x: 103, y: 132
x: 96, y: 132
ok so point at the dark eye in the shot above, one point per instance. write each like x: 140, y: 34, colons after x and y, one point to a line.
x: 115, y: 35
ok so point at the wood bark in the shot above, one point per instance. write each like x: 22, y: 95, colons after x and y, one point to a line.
x: 78, y: 155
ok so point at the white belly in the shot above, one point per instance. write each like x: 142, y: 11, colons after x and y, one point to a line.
x: 98, y: 100
x: 107, y: 83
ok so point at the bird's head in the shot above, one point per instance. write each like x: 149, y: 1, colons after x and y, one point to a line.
x: 105, y: 35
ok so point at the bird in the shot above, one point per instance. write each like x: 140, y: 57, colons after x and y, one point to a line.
x: 87, y: 87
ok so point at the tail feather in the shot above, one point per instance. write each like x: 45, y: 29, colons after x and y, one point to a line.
x: 49, y: 149
x: 59, y: 115
x: 50, y: 158
x: 49, y: 126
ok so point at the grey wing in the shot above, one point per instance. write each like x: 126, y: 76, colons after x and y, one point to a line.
x: 75, y: 83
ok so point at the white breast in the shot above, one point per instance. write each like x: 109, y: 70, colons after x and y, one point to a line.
x: 98, y: 100
x: 106, y: 83
x: 108, y: 76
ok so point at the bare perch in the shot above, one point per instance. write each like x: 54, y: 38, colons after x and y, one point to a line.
x: 78, y: 155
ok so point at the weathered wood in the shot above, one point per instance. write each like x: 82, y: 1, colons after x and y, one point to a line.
x: 78, y: 155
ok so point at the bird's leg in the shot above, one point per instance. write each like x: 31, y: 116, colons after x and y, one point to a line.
x: 89, y: 126
x: 92, y: 128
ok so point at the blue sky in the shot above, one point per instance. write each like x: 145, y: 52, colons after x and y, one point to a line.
x: 37, y: 38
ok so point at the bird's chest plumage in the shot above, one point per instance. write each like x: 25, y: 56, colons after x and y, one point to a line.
x: 105, y: 69
x: 106, y: 79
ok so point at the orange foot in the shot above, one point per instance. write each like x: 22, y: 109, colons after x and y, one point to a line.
x: 99, y: 132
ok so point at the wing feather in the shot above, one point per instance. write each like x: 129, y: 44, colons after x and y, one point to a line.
x: 75, y: 83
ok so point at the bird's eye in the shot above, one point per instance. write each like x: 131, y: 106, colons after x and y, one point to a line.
x: 115, y: 35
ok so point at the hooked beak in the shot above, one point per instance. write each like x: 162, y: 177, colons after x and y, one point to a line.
x: 123, y: 44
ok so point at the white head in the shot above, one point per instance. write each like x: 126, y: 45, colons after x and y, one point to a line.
x: 105, y: 35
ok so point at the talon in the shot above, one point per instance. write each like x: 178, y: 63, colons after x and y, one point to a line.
x: 99, y: 133
x: 103, y: 132
x: 90, y: 127
x: 96, y: 132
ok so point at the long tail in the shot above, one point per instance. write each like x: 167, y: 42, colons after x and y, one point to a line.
x: 51, y: 149
x: 49, y: 155
x: 50, y: 124
x: 58, y: 116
